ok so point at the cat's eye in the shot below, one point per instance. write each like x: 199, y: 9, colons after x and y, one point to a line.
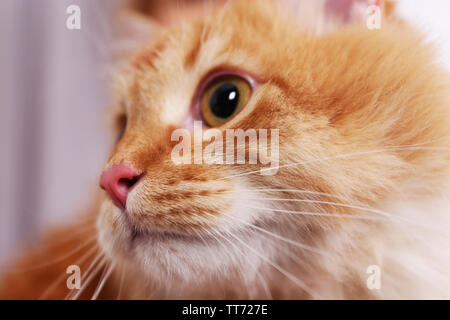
x: 223, y: 99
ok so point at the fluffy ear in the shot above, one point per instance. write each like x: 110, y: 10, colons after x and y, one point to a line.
x: 132, y: 31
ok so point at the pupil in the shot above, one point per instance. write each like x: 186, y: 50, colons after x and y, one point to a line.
x: 224, y: 100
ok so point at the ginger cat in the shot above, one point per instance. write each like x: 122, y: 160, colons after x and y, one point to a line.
x: 361, y: 187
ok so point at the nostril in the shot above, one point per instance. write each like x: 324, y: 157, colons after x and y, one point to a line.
x: 126, y: 184
x: 117, y: 181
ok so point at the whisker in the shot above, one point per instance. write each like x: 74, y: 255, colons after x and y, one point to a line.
x: 319, y: 214
x: 200, y: 235
x: 335, y: 215
x: 227, y: 251
x: 64, y: 274
x: 287, y: 274
x: 84, y: 229
x: 88, y: 276
x: 380, y: 212
x: 384, y: 215
x: 340, y: 156
x: 263, y: 281
x: 287, y: 240
x: 281, y: 247
x: 122, y: 280
x: 269, y: 190
x: 104, y: 278
x: 47, y: 263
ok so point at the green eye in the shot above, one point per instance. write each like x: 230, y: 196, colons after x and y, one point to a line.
x: 223, y: 99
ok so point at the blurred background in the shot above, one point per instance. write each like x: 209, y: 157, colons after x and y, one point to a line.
x: 55, y: 93
x: 54, y: 96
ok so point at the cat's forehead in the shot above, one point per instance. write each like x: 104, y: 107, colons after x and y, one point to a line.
x: 166, y: 74
x: 219, y: 39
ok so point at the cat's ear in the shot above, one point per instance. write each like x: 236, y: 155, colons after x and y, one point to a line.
x: 132, y: 31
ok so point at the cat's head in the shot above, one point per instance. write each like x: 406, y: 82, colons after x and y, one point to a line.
x: 342, y: 112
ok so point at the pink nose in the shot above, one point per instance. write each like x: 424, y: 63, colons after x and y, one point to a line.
x: 118, y: 181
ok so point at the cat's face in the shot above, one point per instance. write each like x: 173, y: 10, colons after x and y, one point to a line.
x: 184, y: 224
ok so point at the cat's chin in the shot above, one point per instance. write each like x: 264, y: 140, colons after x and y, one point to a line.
x: 123, y: 230
x: 121, y: 238
x: 118, y: 233
x: 177, y: 257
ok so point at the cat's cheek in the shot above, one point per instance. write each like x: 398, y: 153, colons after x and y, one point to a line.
x: 224, y: 204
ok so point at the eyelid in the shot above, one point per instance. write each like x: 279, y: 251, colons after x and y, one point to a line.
x: 220, y: 74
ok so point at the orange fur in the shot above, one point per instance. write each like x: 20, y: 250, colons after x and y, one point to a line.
x: 40, y: 273
x: 372, y: 106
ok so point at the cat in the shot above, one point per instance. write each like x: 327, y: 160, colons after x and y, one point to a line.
x: 358, y: 207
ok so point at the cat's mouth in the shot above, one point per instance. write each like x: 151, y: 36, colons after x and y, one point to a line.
x: 157, y: 234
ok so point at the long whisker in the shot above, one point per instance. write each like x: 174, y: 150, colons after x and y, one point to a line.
x: 319, y: 214
x: 104, y: 278
x: 287, y: 274
x: 47, y: 263
x: 335, y: 215
x: 287, y: 240
x: 380, y: 212
x: 372, y: 210
x: 339, y: 156
x: 263, y: 282
x: 122, y: 280
x: 88, y: 276
x: 71, y: 236
x: 417, y: 146
x: 200, y: 235
x: 384, y: 215
x: 281, y: 247
x: 64, y: 275
x: 227, y: 251
x: 272, y: 190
